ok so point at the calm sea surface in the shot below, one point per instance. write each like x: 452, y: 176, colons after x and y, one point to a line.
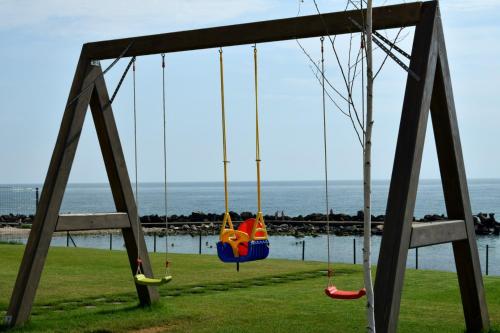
x: 293, y: 198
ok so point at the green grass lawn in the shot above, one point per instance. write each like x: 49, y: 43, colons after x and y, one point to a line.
x: 84, y: 290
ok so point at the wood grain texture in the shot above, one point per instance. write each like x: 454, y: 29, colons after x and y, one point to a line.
x: 432, y: 233
x: 405, y: 174
x: 55, y: 183
x: 456, y: 193
x: 88, y: 88
x: 433, y: 92
x: 386, y: 17
x: 99, y: 221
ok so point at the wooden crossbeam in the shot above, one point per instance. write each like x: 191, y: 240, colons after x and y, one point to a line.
x: 76, y: 222
x: 385, y: 17
x: 432, y: 233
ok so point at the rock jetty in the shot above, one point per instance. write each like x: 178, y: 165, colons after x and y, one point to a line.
x: 277, y: 224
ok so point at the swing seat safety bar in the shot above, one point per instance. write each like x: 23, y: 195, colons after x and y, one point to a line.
x: 257, y: 250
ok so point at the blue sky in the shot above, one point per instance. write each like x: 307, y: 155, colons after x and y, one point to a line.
x: 42, y: 40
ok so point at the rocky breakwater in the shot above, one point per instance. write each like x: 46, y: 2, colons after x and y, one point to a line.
x: 299, y: 226
x: 277, y: 224
x: 16, y: 220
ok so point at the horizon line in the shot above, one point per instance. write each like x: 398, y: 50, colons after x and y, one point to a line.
x: 239, y: 181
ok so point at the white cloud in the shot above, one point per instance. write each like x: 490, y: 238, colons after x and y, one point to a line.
x: 119, y: 16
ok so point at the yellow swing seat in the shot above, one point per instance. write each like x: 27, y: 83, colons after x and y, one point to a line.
x: 145, y: 281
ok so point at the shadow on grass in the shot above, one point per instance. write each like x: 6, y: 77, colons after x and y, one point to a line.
x: 103, y: 313
x: 187, y: 290
x: 124, y: 309
x: 11, y: 243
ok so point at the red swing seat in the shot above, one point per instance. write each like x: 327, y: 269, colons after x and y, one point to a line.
x: 333, y: 292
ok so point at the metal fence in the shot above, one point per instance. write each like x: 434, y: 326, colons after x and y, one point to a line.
x: 23, y: 200
x: 291, y: 248
x: 18, y: 200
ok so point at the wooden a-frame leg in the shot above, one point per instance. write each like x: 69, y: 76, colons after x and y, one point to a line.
x: 56, y: 180
x: 405, y: 174
x: 88, y: 78
x: 456, y: 193
x: 121, y: 188
x: 432, y: 91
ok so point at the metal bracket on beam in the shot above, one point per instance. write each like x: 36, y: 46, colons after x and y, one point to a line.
x: 393, y: 45
x: 388, y: 52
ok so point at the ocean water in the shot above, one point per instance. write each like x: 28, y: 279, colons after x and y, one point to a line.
x: 293, y: 197
x: 438, y: 257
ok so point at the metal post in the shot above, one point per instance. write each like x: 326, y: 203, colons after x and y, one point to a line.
x: 110, y: 241
x: 71, y: 239
x: 354, y: 251
x: 416, y: 258
x: 487, y: 258
x: 303, y: 250
x: 199, y: 247
x: 67, y: 238
x: 36, y: 198
x: 154, y: 242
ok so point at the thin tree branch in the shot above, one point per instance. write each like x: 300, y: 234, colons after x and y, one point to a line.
x: 318, y: 69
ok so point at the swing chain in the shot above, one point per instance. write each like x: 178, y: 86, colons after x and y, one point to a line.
x: 115, y: 92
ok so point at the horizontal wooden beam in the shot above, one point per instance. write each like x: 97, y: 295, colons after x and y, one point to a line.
x: 337, y: 23
x: 74, y: 222
x: 432, y: 233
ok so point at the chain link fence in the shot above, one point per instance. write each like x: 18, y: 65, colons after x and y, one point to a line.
x: 18, y: 200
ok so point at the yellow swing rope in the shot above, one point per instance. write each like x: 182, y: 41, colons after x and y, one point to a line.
x: 227, y: 235
x: 259, y: 218
x: 224, y: 146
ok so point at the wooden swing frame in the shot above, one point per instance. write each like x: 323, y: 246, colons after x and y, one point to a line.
x: 433, y: 91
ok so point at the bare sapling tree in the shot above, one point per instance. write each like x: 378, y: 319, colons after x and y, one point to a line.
x: 357, y: 107
x: 367, y: 152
